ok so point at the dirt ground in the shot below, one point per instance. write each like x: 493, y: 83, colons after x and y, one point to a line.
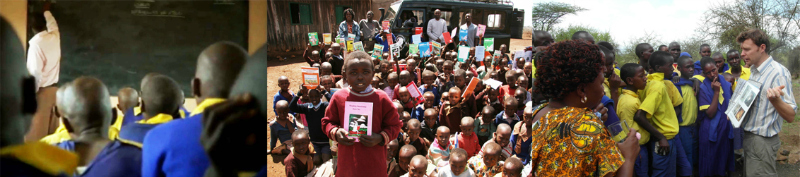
x: 790, y: 136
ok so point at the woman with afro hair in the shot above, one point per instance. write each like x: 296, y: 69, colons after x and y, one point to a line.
x: 569, y: 138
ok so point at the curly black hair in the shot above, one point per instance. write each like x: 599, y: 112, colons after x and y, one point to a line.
x: 565, y: 65
x: 349, y: 10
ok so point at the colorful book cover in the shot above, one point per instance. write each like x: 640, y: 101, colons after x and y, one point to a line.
x: 310, y: 77
x: 341, y: 42
x: 518, y: 54
x: 358, y: 46
x: 414, y: 91
x: 424, y: 49
x: 385, y: 26
x: 462, y: 34
x: 447, y: 38
x: 377, y: 51
x: 389, y: 40
x: 326, y: 37
x: 349, y: 46
x: 357, y: 118
x: 463, y: 53
x: 313, y: 39
x: 418, y: 30
x: 413, y: 49
x: 436, y: 46
x: 481, y: 30
x: 489, y: 44
x: 351, y: 37
x: 402, y: 67
x: 416, y: 39
x: 471, y: 87
x: 479, y: 53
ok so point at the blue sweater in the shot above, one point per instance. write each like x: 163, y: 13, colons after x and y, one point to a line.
x: 174, y: 149
x: 116, y: 159
x: 314, y: 115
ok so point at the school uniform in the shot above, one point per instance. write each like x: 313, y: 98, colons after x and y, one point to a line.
x: 437, y: 94
x: 428, y: 133
x: 626, y: 109
x: 716, y: 131
x: 450, y: 116
x: 175, y: 149
x: 612, y: 113
x: 420, y: 144
x: 419, y: 112
x: 506, y: 90
x: 468, y: 143
x: 337, y: 62
x: 687, y: 118
x: 279, y: 97
x: 698, y: 70
x: 314, y: 113
x: 520, y: 148
x: 658, y: 105
x: 502, y: 117
x: 484, y: 130
x: 36, y: 159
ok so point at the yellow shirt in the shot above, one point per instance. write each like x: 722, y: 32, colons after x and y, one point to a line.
x: 659, y: 106
x: 158, y: 119
x: 626, y: 110
x: 44, y: 157
x: 689, y: 109
x: 61, y: 134
x: 205, y: 104
x: 744, y: 75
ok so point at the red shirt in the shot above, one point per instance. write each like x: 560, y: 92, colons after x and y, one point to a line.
x: 505, y: 90
x: 468, y: 143
x: 359, y: 160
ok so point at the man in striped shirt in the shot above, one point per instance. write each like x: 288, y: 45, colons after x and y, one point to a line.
x: 775, y: 100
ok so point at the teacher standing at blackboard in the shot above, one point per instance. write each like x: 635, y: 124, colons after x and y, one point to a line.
x: 44, y: 63
x: 348, y: 26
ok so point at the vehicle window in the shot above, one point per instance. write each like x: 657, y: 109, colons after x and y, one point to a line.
x: 494, y: 21
x: 410, y: 19
x: 446, y: 16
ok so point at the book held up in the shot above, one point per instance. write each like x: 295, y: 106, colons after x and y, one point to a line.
x: 357, y: 119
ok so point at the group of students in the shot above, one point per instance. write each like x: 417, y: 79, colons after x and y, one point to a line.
x: 148, y: 133
x: 550, y: 116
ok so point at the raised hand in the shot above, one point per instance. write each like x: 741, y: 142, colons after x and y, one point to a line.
x: 775, y: 93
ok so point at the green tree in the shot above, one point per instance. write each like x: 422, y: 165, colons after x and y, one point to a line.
x: 548, y: 14
x: 628, y: 55
x: 780, y: 19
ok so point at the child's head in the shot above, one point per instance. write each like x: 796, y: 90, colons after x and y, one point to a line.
x: 375, y: 81
x: 403, y: 94
x: 300, y: 140
x: 455, y: 95
x: 443, y: 135
x: 502, y: 134
x: 405, y: 117
x: 358, y: 71
x: 329, y: 54
x: 412, y: 63
x: 336, y: 49
x: 392, y: 79
x: 376, y: 61
x: 522, y: 82
x: 326, y: 81
x: 430, y: 117
x: 487, y: 60
x: 734, y: 59
x: 459, y: 78
x: 510, y: 106
x: 439, y: 64
x: 431, y: 67
x: 282, y: 109
x: 447, y: 68
x: 488, y: 113
x: 160, y: 95
x: 418, y: 166
x: 719, y: 61
x: 511, y: 79
x: 325, y: 68
x: 385, y: 66
x: 315, y: 56
x: 314, y: 96
x: 491, y: 154
x: 633, y: 75
x: 675, y: 50
x: 399, y: 107
x: 521, y: 62
x: 686, y: 66
x: 503, y: 48
x: 480, y: 86
x: 430, y: 99
x: 386, y: 56
x: 405, y: 77
x: 414, y: 127
x: 467, y: 123
x: 512, y: 167
x: 472, y: 51
x: 705, y: 50
x: 458, y: 161
x: 283, y: 83
x: 428, y: 77
x: 728, y: 77
x: 128, y: 98
x: 520, y: 95
x: 469, y: 74
x: 527, y: 115
x: 401, y: 61
x: 661, y: 62
x: 391, y: 149
x: 643, y: 52
x: 445, y: 98
x: 528, y: 68
x: 493, y: 94
x: 86, y: 106
x: 609, y: 56
x: 493, y: 75
x: 404, y: 157
x: 709, y: 68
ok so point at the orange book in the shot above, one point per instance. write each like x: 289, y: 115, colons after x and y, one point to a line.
x: 471, y: 87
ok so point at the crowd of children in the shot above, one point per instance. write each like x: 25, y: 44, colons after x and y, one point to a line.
x: 673, y: 102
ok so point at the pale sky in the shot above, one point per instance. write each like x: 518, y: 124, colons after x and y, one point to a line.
x: 670, y: 20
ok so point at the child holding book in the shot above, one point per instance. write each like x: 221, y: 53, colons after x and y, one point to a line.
x: 314, y: 111
x: 370, y: 150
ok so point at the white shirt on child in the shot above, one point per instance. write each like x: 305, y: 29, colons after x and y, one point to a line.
x: 446, y: 171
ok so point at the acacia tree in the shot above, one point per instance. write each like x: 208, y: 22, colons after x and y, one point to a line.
x: 548, y: 14
x: 780, y: 19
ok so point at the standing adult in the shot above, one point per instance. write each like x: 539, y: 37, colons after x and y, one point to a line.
x: 44, y: 63
x: 349, y: 26
x: 761, y: 126
x: 437, y: 26
x: 369, y: 28
x: 471, y: 28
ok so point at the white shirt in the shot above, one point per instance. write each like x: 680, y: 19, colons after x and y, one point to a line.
x: 764, y: 120
x: 446, y: 171
x: 44, y: 54
x: 436, y: 28
x: 472, y: 31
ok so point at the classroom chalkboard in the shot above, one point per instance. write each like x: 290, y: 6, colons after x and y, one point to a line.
x: 121, y: 41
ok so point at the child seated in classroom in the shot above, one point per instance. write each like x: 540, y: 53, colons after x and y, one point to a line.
x: 636, y: 79
x: 430, y: 124
x: 369, y: 152
x: 458, y: 165
x: 314, y: 111
x: 487, y: 164
x: 405, y: 98
x: 403, y: 160
x: 429, y: 102
x: 484, y: 126
x: 439, y: 153
x: 299, y: 162
x: 281, y: 129
x: 451, y: 112
x: 411, y: 137
x: 467, y: 139
x: 284, y: 94
x: 509, y: 114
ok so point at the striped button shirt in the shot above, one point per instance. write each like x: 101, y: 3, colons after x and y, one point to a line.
x: 763, y: 119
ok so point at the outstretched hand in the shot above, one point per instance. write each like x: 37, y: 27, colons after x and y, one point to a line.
x: 775, y: 94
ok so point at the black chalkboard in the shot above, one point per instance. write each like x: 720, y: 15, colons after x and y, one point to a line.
x: 121, y: 41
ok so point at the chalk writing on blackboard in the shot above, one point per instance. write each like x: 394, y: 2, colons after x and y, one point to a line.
x: 157, y: 13
x: 141, y: 5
